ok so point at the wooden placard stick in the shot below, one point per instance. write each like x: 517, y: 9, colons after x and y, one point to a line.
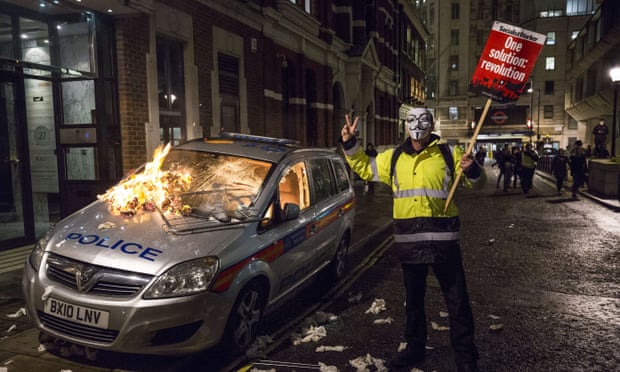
x: 470, y: 147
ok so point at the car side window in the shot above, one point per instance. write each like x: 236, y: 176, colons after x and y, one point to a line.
x: 294, y: 188
x: 342, y: 177
x: 322, y: 179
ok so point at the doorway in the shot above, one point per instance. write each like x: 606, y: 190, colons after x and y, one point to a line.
x: 16, y: 214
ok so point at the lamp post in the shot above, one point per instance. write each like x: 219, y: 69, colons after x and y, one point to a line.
x: 614, y: 73
x: 530, y: 90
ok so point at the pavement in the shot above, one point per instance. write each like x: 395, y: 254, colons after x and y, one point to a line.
x: 19, y: 345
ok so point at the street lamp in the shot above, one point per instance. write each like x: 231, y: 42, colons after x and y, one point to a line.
x: 614, y: 73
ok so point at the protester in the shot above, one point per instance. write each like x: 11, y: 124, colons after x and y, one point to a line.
x: 600, y: 138
x: 559, y: 168
x: 481, y: 155
x: 424, y: 235
x: 578, y: 167
x: 516, y: 156
x: 505, y: 163
x: 529, y: 157
x: 501, y: 156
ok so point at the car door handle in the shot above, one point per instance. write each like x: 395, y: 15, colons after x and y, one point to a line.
x: 340, y: 212
x: 313, y: 229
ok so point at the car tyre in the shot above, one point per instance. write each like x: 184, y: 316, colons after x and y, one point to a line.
x: 337, y: 266
x: 244, y: 318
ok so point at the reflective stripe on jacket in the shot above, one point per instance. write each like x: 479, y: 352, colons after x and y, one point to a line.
x: 420, y: 187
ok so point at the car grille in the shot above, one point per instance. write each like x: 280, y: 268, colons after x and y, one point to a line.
x: 94, y: 279
x: 77, y: 330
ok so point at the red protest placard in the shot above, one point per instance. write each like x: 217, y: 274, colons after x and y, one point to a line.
x: 506, y: 62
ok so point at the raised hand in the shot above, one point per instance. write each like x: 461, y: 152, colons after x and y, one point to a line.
x: 348, y: 130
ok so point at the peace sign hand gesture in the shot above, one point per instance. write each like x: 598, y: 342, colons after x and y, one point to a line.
x: 348, y: 131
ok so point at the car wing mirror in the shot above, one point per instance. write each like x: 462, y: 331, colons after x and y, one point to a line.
x: 290, y: 212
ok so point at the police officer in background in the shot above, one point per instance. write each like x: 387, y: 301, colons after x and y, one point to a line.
x: 420, y: 172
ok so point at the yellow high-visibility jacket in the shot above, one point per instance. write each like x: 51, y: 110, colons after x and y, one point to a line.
x: 420, y: 184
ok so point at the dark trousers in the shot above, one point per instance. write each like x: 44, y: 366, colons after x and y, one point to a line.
x: 559, y: 182
x: 527, y: 176
x: 579, y: 180
x: 451, y: 279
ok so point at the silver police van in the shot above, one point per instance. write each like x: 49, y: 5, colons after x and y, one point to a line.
x: 193, y: 249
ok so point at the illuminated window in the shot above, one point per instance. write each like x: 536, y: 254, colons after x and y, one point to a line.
x: 550, y: 38
x: 453, y: 113
x: 550, y: 63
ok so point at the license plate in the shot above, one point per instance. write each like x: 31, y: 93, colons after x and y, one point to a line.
x: 76, y: 313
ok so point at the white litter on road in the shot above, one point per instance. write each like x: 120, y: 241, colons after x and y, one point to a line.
x: 494, y: 317
x: 496, y: 327
x: 443, y: 314
x: 311, y: 334
x: 17, y: 314
x: 11, y: 328
x: 438, y: 327
x: 41, y: 348
x: 325, y: 348
x: 362, y: 363
x: 325, y: 368
x: 387, y: 320
x: 378, y: 305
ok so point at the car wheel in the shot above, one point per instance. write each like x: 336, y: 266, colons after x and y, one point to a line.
x: 338, y: 263
x: 245, y: 317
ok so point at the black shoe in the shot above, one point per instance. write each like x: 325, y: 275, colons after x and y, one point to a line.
x: 467, y: 367
x: 407, y: 358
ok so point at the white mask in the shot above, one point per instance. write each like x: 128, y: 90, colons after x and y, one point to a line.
x: 419, y: 123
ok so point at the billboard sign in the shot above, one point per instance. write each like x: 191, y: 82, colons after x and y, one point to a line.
x: 506, y: 62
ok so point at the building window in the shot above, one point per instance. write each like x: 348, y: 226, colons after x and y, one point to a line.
x: 453, y: 113
x: 305, y: 4
x: 572, y: 123
x: 455, y: 10
x: 549, y: 87
x: 228, y: 68
x: 574, y: 34
x: 454, y: 63
x: 548, y: 111
x: 171, y: 90
x: 550, y: 63
x: 550, y: 38
x: 454, y: 37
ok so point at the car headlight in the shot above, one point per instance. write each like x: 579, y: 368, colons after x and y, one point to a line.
x: 185, y: 279
x: 36, y: 256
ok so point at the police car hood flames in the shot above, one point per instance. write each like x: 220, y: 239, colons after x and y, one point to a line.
x: 130, y: 221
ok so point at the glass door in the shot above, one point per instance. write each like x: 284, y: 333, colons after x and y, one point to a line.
x: 15, y: 214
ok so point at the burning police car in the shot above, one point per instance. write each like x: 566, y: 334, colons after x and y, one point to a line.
x: 192, y: 250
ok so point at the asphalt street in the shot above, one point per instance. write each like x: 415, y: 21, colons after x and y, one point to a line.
x: 542, y: 272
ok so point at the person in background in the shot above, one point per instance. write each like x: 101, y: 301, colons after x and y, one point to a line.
x: 481, y: 155
x: 578, y: 167
x: 516, y: 156
x: 420, y: 172
x: 559, y: 168
x: 529, y: 157
x: 500, y: 159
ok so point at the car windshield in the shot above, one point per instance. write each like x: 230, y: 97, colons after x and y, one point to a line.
x: 221, y: 186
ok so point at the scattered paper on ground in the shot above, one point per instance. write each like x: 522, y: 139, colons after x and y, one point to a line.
x: 324, y: 348
x: 362, y: 363
x: 387, y: 320
x: 496, y: 327
x: 41, y: 348
x: 438, y: 327
x: 495, y: 317
x: 443, y: 314
x: 311, y: 334
x: 325, y: 368
x: 378, y: 305
x: 11, y: 328
x: 18, y: 313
